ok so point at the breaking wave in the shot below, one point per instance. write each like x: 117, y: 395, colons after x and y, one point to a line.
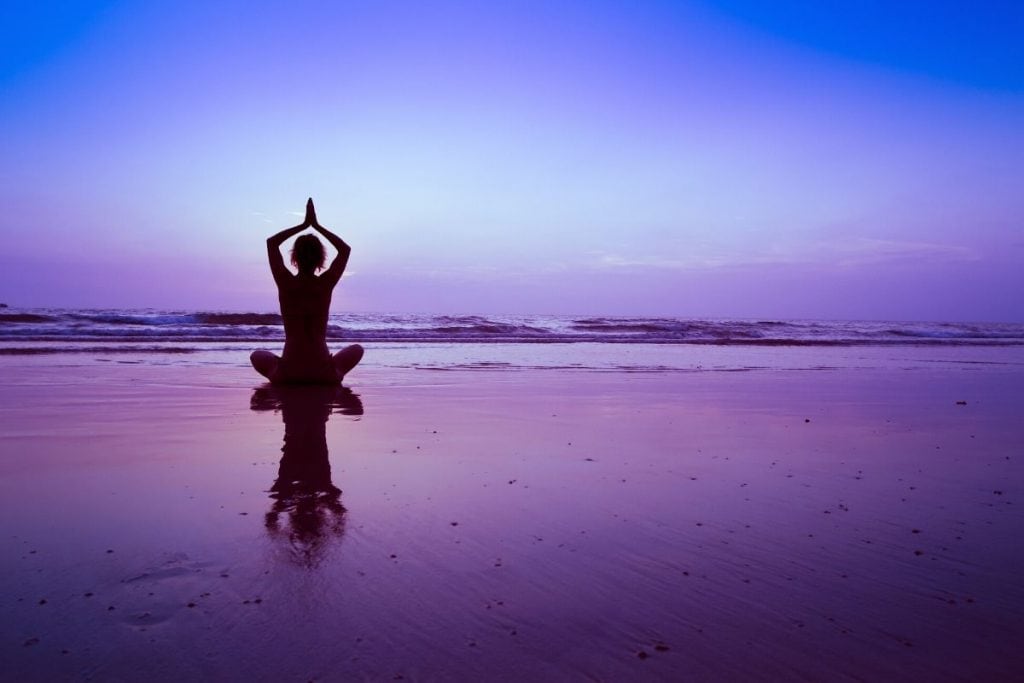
x: 157, y: 327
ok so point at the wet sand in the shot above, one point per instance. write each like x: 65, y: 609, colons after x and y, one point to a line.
x: 512, y: 525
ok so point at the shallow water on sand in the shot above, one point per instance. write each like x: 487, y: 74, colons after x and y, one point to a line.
x: 532, y: 525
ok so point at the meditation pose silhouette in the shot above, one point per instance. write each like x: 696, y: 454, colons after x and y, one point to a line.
x: 305, y: 299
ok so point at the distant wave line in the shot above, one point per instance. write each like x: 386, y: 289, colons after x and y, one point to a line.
x: 114, y: 344
x: 164, y: 327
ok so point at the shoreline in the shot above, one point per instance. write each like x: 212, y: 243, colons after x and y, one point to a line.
x: 219, y: 358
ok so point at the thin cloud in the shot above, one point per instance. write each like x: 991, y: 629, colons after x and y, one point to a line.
x: 262, y: 216
x: 862, y: 251
x: 842, y: 253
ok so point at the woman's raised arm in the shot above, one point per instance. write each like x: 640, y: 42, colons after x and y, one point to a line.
x: 274, y: 242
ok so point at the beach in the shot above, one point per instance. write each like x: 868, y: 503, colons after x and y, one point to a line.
x: 537, y: 512
x: 665, y: 341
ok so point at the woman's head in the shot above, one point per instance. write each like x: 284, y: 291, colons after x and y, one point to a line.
x: 308, y: 254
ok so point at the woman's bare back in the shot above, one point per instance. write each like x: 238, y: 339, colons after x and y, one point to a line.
x: 305, y: 300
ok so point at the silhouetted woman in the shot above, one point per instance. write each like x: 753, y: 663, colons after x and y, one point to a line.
x: 305, y: 302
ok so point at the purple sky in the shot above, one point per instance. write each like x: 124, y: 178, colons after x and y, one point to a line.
x: 693, y: 160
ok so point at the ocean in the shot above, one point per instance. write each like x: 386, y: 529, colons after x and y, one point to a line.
x: 502, y: 343
x: 41, y: 330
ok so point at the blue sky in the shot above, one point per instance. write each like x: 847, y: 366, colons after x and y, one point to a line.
x: 839, y: 160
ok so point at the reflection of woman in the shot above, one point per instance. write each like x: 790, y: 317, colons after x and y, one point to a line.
x: 307, y: 505
x: 305, y: 302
